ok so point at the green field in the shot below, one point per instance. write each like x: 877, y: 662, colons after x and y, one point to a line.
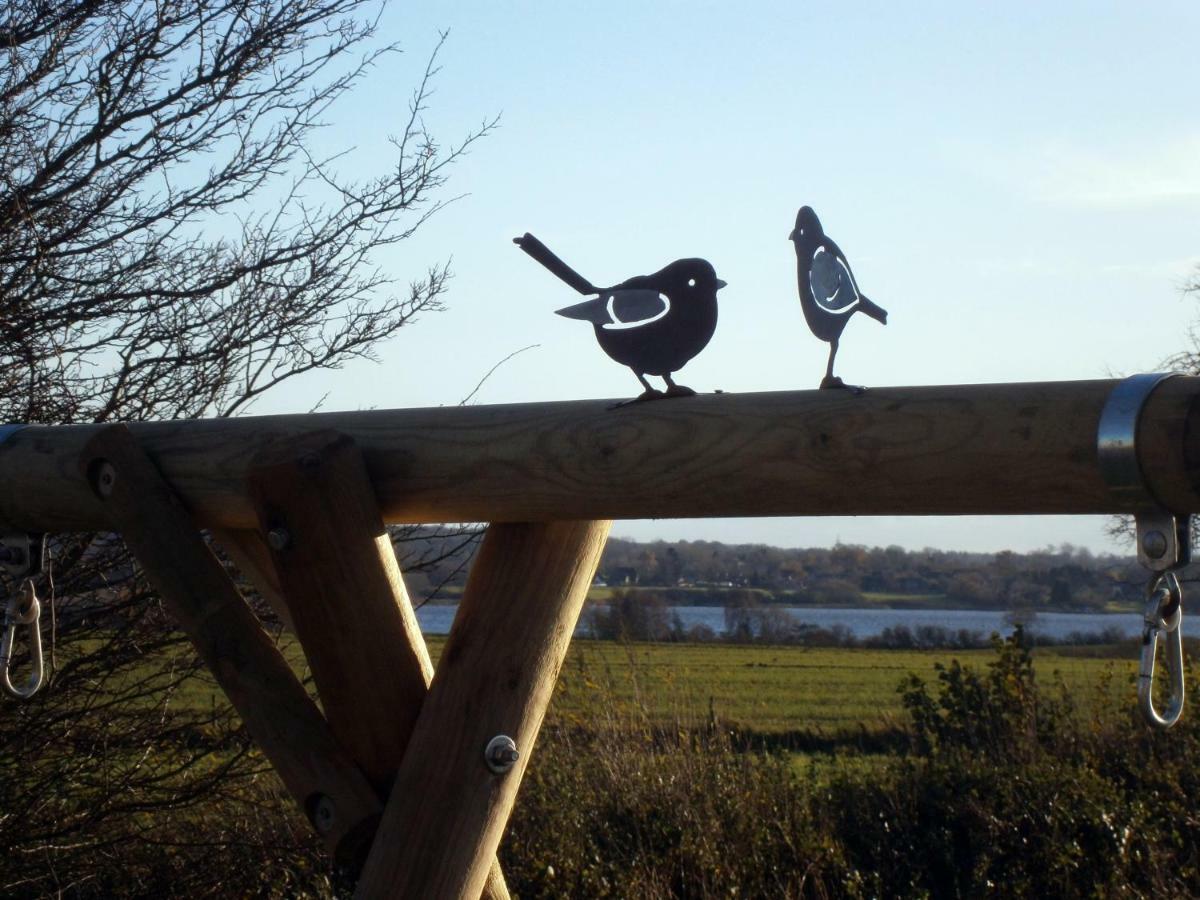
x: 785, y: 689
x: 774, y: 690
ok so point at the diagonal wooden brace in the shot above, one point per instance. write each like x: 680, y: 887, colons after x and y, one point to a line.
x: 338, y: 575
x: 341, y: 583
x: 448, y: 809
x: 279, y: 714
x: 250, y: 555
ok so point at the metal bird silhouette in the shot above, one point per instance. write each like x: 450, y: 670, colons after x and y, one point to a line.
x: 829, y: 294
x: 653, y: 324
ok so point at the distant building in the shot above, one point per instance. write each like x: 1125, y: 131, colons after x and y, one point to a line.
x: 621, y: 575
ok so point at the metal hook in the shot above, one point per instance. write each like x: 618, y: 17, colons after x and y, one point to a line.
x: 23, y: 608
x: 1163, y: 615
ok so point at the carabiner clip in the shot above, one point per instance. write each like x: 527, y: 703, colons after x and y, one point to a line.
x: 23, y: 608
x: 1163, y: 615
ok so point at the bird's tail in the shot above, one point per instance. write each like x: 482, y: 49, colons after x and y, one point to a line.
x: 878, y: 313
x: 542, y: 254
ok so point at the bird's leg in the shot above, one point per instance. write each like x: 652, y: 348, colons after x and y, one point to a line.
x: 677, y: 390
x: 650, y: 393
x: 830, y: 381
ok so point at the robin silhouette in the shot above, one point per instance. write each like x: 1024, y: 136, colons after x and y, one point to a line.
x: 653, y: 324
x: 829, y: 294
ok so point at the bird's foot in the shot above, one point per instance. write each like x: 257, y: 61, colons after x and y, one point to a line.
x: 648, y: 394
x: 679, y: 390
x: 832, y: 382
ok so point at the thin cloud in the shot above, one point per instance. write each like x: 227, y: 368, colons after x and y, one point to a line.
x: 1070, y: 174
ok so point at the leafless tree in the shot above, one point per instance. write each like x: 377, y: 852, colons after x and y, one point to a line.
x: 1187, y: 360
x: 173, y: 245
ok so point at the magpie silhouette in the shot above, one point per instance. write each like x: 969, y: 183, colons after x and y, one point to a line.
x: 653, y: 324
x: 829, y: 294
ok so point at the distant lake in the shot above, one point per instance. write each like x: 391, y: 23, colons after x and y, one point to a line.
x: 865, y: 623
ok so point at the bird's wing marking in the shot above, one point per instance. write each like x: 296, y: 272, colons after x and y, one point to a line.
x: 635, y: 307
x: 594, y: 311
x: 831, y: 283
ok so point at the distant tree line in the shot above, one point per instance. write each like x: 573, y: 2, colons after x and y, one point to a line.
x: 1066, y: 577
x: 714, y: 573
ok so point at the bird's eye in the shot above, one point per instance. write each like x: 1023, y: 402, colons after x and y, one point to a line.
x: 691, y: 282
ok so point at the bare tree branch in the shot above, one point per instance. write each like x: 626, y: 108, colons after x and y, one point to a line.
x: 172, y: 245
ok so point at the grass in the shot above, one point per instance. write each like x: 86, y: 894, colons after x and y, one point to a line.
x: 906, y: 601
x: 768, y: 690
x: 785, y: 689
x: 692, y: 595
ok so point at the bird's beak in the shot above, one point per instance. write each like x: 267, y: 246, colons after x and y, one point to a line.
x: 792, y: 236
x: 721, y: 284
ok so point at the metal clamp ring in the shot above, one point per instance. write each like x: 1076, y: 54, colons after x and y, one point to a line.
x: 1116, y: 440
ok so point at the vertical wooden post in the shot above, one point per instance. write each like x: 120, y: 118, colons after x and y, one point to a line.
x: 278, y: 712
x: 338, y: 574
x: 497, y: 672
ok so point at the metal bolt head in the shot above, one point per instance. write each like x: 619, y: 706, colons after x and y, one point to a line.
x: 106, y: 479
x: 279, y: 538
x: 501, y: 754
x: 1154, y: 543
x: 324, y: 814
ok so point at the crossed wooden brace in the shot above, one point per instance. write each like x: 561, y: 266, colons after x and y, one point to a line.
x: 392, y: 773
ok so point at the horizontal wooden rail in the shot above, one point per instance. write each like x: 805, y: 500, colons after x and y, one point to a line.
x: 944, y: 450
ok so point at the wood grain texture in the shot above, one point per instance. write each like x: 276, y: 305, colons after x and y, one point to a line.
x: 343, y: 586
x: 347, y: 600
x: 496, y: 674
x: 1169, y: 442
x: 279, y: 714
x: 966, y: 449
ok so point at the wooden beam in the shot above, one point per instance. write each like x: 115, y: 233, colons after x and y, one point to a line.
x: 338, y: 571
x: 497, y: 672
x: 966, y: 449
x: 279, y: 714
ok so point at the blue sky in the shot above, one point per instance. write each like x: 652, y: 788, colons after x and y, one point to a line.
x: 1018, y: 184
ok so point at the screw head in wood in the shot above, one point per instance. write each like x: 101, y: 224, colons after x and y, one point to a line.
x: 106, y: 478
x: 501, y: 754
x: 279, y: 539
x: 324, y: 814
